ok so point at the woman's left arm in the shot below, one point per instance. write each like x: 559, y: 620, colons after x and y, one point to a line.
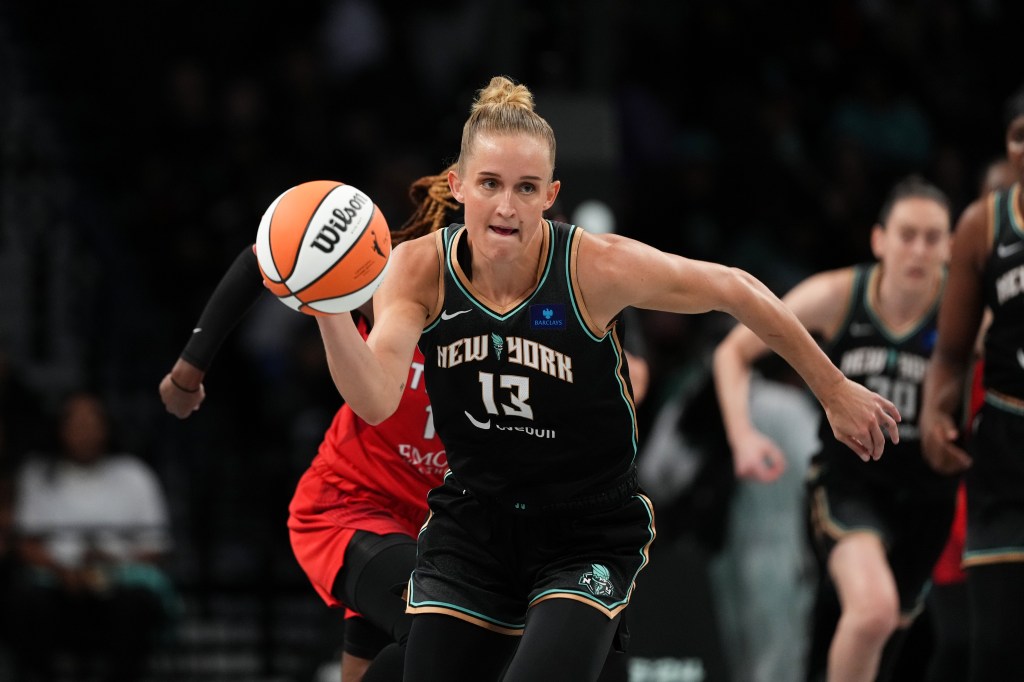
x: 615, y: 272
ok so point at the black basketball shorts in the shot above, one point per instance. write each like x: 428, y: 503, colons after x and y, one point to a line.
x: 487, y: 565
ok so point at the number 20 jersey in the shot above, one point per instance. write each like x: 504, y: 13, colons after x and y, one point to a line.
x: 533, y: 403
x: 893, y: 365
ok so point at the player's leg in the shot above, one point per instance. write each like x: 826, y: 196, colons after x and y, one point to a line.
x: 447, y: 649
x: 869, y: 607
x: 564, y: 640
x: 373, y: 577
x: 363, y: 642
x: 996, y: 594
x: 370, y: 583
x: 353, y: 667
x: 950, y: 618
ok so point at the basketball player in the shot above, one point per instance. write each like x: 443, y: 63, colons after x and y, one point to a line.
x: 537, y: 536
x: 947, y: 600
x: 987, y: 270
x: 357, y: 509
x: 879, y: 526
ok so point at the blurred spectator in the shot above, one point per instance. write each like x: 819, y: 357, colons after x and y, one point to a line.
x: 91, y: 529
x: 764, y: 578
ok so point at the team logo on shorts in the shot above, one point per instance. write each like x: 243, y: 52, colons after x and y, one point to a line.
x: 597, y: 580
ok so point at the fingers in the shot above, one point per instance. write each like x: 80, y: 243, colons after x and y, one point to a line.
x: 773, y: 464
x: 878, y: 441
x: 951, y: 460
x: 890, y: 419
x: 858, y: 447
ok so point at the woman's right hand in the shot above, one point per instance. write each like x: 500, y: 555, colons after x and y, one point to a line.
x: 181, y: 389
x: 757, y: 457
x: 861, y: 418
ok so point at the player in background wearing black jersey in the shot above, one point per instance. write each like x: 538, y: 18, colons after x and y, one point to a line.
x: 947, y: 600
x: 537, y: 536
x: 987, y: 270
x: 879, y: 526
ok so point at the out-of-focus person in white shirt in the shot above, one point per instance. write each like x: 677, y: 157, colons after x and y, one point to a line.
x: 91, y: 530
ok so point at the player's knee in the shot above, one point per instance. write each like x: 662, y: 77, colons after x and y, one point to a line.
x: 387, y: 666
x: 874, y: 620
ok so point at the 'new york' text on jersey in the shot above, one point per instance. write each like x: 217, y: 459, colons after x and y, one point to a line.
x: 533, y: 403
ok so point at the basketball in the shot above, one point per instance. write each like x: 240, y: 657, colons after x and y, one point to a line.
x: 323, y: 247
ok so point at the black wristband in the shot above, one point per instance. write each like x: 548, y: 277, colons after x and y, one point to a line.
x: 182, y: 388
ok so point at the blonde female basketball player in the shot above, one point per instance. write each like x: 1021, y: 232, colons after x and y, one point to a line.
x: 539, y: 532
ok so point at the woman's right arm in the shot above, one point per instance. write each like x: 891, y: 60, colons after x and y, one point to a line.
x: 371, y: 374
x: 960, y: 317
x: 181, y: 389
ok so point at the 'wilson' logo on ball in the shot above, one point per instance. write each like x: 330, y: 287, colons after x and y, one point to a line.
x: 341, y: 219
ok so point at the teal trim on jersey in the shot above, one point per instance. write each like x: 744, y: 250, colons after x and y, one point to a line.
x: 630, y: 405
x: 449, y: 258
x: 859, y: 273
x: 616, y: 344
x: 1003, y: 404
x: 643, y: 551
x: 1008, y: 554
x: 1013, y: 201
x: 572, y: 292
x: 887, y: 331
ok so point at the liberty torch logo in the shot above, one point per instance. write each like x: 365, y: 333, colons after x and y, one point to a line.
x: 598, y: 581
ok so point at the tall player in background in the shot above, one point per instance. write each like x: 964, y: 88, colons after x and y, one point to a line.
x: 357, y: 509
x: 879, y: 526
x: 947, y: 600
x: 987, y: 271
x: 537, y: 536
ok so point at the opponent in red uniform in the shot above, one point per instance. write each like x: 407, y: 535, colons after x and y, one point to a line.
x: 356, y: 511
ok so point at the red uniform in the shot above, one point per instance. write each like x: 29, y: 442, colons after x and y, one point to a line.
x: 369, y: 478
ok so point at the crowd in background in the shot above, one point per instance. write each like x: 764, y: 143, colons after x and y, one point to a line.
x: 142, y: 142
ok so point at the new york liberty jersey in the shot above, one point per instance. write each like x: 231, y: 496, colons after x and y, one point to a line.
x: 533, y: 403
x: 1004, y: 294
x: 893, y: 365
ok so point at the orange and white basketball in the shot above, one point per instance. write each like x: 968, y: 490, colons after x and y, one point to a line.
x: 323, y: 247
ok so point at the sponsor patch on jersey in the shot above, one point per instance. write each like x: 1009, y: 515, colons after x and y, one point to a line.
x: 547, y: 316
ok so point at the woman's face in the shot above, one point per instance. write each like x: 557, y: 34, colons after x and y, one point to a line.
x: 1015, y: 147
x: 914, y: 243
x: 83, y: 429
x: 505, y: 186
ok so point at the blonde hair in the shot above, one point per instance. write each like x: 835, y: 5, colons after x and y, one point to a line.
x: 504, y: 107
x: 435, y: 206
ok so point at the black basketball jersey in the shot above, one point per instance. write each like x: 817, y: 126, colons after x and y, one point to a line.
x: 534, y: 404
x: 893, y: 365
x: 1004, y: 294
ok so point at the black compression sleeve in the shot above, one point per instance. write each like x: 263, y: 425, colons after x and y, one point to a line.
x: 237, y: 291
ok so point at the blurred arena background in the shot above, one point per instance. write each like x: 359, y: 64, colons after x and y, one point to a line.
x: 141, y: 143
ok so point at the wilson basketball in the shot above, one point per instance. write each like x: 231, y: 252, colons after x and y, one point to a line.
x: 323, y: 247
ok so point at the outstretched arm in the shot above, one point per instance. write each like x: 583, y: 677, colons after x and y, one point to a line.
x: 181, y: 389
x: 615, y: 271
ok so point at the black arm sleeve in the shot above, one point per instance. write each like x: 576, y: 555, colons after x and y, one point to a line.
x: 237, y: 291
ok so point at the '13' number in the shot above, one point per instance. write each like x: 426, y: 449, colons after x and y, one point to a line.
x: 519, y: 393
